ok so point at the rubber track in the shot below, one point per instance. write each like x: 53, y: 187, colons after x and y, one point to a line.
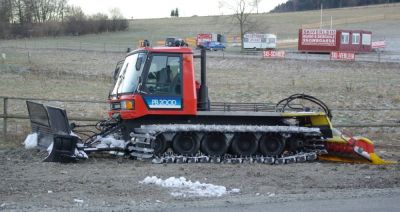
x: 228, y: 159
x: 142, y: 136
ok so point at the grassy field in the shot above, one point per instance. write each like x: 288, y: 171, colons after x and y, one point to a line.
x: 340, y: 84
x: 64, y: 74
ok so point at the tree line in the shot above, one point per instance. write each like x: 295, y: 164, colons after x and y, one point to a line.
x: 175, y: 13
x: 27, y: 18
x: 301, y: 5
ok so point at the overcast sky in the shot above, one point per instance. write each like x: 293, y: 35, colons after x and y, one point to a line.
x: 162, y: 8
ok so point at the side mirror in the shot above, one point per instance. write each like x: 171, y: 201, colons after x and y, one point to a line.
x: 138, y: 63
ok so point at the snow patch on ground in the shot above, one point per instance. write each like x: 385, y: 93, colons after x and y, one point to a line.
x: 110, y: 142
x: 81, y: 154
x: 31, y: 141
x: 78, y: 200
x: 181, y: 187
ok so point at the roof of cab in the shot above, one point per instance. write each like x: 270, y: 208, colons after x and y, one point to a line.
x: 169, y: 49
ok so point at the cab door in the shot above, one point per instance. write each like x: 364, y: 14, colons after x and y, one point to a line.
x: 162, y: 86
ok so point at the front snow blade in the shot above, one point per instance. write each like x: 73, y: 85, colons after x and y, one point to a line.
x: 351, y: 149
x: 63, y: 150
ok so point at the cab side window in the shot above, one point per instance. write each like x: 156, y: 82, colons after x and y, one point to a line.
x: 164, y: 76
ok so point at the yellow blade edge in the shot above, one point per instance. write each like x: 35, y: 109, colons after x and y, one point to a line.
x: 375, y: 159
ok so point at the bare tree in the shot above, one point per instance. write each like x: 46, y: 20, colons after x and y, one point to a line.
x: 6, y: 11
x: 61, y: 9
x: 38, y: 11
x: 242, y: 9
x: 53, y: 17
x: 20, y: 10
x: 6, y: 17
x: 256, y: 3
x: 115, y: 13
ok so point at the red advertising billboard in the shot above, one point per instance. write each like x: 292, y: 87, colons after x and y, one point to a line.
x: 201, y: 38
x: 343, y: 56
x: 274, y: 54
x: 318, y: 37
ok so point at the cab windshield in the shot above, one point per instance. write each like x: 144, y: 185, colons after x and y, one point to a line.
x: 129, y: 74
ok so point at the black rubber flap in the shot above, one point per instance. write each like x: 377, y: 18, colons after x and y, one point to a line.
x: 63, y: 150
x: 38, y: 114
x: 59, y: 123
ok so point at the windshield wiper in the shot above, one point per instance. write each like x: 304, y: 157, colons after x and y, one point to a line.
x: 138, y: 90
x: 121, y: 79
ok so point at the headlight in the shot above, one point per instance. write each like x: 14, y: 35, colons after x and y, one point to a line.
x: 115, y: 106
x: 127, y: 105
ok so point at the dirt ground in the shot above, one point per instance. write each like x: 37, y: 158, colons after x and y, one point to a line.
x: 106, y: 183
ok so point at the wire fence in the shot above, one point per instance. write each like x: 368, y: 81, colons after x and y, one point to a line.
x: 29, y: 46
x: 376, y: 56
x: 60, y: 44
x: 14, y: 108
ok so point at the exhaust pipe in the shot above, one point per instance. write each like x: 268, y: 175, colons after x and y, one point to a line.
x: 203, y: 100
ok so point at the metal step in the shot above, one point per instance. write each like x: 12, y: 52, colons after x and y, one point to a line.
x: 144, y: 135
x: 141, y: 149
x: 141, y: 155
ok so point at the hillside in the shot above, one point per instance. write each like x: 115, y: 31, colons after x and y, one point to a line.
x: 283, y: 24
x: 380, y: 19
x: 303, y: 5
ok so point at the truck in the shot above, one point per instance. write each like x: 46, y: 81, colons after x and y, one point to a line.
x: 259, y: 41
x: 213, y: 46
x: 174, y: 41
x: 330, y: 40
x: 161, y: 112
x: 208, y: 37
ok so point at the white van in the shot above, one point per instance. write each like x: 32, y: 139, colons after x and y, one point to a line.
x: 259, y: 41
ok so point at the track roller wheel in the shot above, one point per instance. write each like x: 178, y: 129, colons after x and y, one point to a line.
x: 159, y: 145
x: 244, y: 144
x: 271, y: 145
x: 214, y: 144
x: 186, y: 143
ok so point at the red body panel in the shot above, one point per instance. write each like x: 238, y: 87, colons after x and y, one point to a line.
x: 336, y: 45
x: 189, y: 97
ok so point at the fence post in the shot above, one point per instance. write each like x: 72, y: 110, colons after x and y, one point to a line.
x: 5, y: 102
x: 379, y: 55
